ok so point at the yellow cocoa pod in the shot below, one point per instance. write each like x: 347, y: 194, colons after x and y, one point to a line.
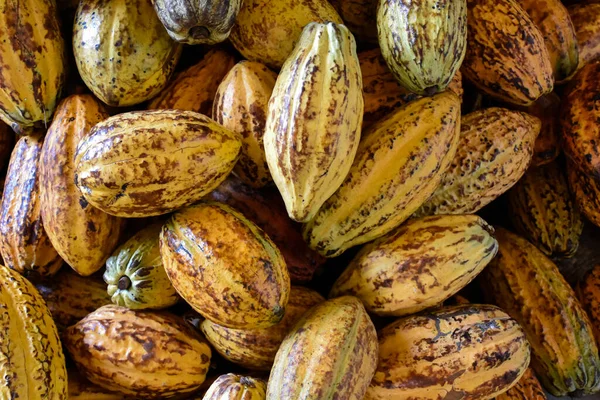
x: 123, y: 53
x: 528, y: 388
x: 236, y: 387
x: 157, y: 162
x: 82, y: 235
x: 424, y: 43
x: 241, y: 105
x: 586, y: 20
x: 400, y: 162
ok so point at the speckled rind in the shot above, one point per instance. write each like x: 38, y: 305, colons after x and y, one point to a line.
x: 32, y: 363
x: 24, y: 244
x: 122, y: 51
x: 360, y: 16
x: 399, y: 163
x: 225, y: 267
x: 525, y: 283
x: 586, y: 191
x: 553, y: 20
x: 332, y: 350
x: 314, y: 120
x: 541, y: 210
x: 506, y: 57
x: 139, y: 261
x: 147, y: 355
x: 589, y: 295
x: 236, y: 387
x: 382, y: 92
x: 194, y: 89
x: 579, y: 119
x: 586, y: 20
x: 547, y: 145
x: 467, y: 352
x: 71, y: 297
x: 423, y: 41
x: 266, y: 31
x: 82, y: 235
x: 266, y: 209
x: 494, y: 151
x: 255, y: 349
x: 241, y: 105
x: 33, y: 63
x: 528, y: 388
x: 419, y: 265
x: 198, y: 21
x: 146, y: 163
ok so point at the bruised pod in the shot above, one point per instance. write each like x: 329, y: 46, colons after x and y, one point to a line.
x: 315, y: 117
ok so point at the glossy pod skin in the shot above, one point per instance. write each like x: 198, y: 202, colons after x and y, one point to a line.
x: 225, y: 267
x: 236, y: 387
x: 147, y: 163
x: 419, y: 265
x: 385, y: 186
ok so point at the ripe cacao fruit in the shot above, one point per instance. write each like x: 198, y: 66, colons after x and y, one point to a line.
x: 586, y: 20
x: 528, y: 388
x: 589, y: 294
x: 236, y: 387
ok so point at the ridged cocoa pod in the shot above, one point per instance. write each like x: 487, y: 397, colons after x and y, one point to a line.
x: 579, y: 120
x: 82, y: 235
x: 589, y: 295
x: 156, y: 162
x: 7, y: 142
x: 332, y: 350
x: 382, y: 92
x: 194, y: 89
x: 455, y: 248
x: 24, y: 244
x: 225, y: 267
x: 313, y: 128
x: 465, y: 352
x: 360, y: 16
x: 266, y: 209
x: 494, y: 151
x: 547, y: 144
x: 241, y: 105
x: 528, y: 388
x: 586, y: 20
x: 541, y: 210
x: 267, y: 30
x: 424, y: 42
x: 198, y: 21
x: 33, y: 63
x: 255, y: 349
x: 506, y: 57
x: 236, y: 387
x: 553, y: 20
x: 82, y: 389
x: 123, y: 53
x: 385, y: 186
x: 525, y: 283
x: 137, y: 352
x: 586, y: 190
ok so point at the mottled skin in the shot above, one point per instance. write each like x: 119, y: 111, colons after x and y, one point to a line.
x: 586, y: 191
x: 314, y: 121
x: 135, y: 274
x: 147, y: 163
x: 547, y: 145
x: 236, y: 387
x: 423, y: 41
x: 70, y: 297
x: 399, y: 163
x: 553, y: 20
x: 194, y: 89
x: 506, y: 57
x: 267, y: 210
x: 419, y: 265
x: 541, y: 209
x: 382, y: 92
x: 494, y: 151
x: 82, y: 389
x: 148, y: 355
x: 198, y: 21
x: 123, y: 53
x: 225, y: 267
x: 32, y: 363
x: 32, y: 55
x: 589, y: 295
x: 24, y: 244
x: 241, y: 105
x: 525, y: 283
x: 466, y: 352
x: 360, y: 16
x: 528, y: 388
x: 255, y: 349
x: 330, y: 354
x: 586, y: 20
x: 82, y: 235
x: 266, y: 31
x: 580, y: 120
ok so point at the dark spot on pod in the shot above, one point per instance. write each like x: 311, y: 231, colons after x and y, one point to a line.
x: 199, y: 32
x: 278, y: 313
x: 124, y: 283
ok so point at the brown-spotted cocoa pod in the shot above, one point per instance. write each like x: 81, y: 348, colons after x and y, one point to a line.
x: 586, y: 20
